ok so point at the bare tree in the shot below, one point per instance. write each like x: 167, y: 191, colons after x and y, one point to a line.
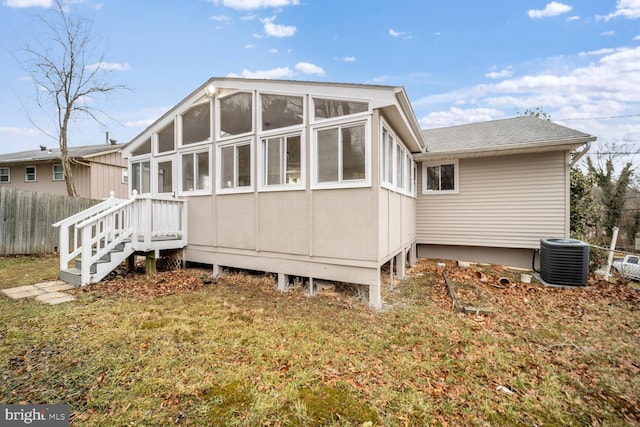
x: 68, y: 74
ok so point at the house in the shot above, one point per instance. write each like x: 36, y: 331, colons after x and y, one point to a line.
x: 334, y: 181
x: 97, y: 170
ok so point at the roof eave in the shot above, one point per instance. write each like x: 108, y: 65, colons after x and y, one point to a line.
x: 504, y: 150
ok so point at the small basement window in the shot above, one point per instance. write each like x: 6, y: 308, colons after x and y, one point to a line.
x: 440, y: 178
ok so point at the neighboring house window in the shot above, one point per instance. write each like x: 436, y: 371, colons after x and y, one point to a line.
x: 58, y: 173
x: 329, y: 108
x: 341, y: 154
x: 166, y: 138
x: 141, y: 176
x: 195, y: 172
x: 234, y: 166
x: 5, y: 175
x: 440, y: 177
x: 196, y: 124
x: 30, y: 174
x: 279, y: 111
x: 125, y: 176
x: 236, y: 114
x: 145, y: 148
x: 281, y: 161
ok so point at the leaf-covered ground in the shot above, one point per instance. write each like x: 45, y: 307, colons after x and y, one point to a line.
x: 179, y: 348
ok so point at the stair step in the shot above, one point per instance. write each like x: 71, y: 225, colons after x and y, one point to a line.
x: 71, y: 276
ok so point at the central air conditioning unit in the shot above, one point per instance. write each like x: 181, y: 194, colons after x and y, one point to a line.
x: 564, y: 262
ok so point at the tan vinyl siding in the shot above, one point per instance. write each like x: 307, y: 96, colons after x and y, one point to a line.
x: 235, y: 221
x: 507, y: 201
x: 283, y: 222
x: 106, y: 176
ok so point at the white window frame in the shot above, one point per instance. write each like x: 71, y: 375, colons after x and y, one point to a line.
x: 262, y: 165
x: 27, y: 174
x: 174, y: 171
x: 125, y: 175
x: 456, y: 175
x: 53, y: 172
x: 5, y: 171
x: 155, y: 138
x: 235, y: 143
x: 218, y: 119
x: 130, y: 173
x: 400, y: 154
x: 197, y: 150
x: 179, y: 128
x: 326, y: 124
x: 258, y: 119
x: 349, y: 117
x: 387, y: 166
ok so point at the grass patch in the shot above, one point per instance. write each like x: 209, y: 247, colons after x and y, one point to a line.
x: 22, y: 270
x: 237, y: 352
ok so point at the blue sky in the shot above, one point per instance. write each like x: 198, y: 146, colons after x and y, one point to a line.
x: 460, y: 61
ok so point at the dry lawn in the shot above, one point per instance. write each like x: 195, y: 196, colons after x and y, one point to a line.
x: 172, y: 349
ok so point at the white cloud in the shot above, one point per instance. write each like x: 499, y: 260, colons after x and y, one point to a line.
x: 220, y: 18
x: 139, y: 124
x: 276, y: 30
x: 551, y: 9
x: 573, y: 18
x: 608, y: 33
x: 255, y: 4
x: 608, y: 86
x: 507, y: 72
x: 108, y: 66
x: 403, y: 34
x: 349, y: 59
x: 625, y: 8
x: 249, y: 46
x: 28, y: 3
x: 19, y: 132
x: 307, y: 68
x: 458, y: 116
x: 276, y: 73
x: 636, y: 38
x: 273, y: 50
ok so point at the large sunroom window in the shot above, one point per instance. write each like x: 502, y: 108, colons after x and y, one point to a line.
x: 196, y: 124
x: 195, y: 171
x: 236, y: 114
x: 235, y: 166
x: 341, y: 154
x: 279, y: 111
x: 325, y: 108
x: 166, y: 138
x: 145, y: 148
x: 141, y: 176
x: 282, y: 161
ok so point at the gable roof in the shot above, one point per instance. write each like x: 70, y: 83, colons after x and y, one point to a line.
x: 524, y: 134
x: 83, y: 152
x: 391, y: 100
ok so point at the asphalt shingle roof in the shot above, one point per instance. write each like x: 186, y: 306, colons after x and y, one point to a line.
x: 499, y: 133
x: 54, y: 153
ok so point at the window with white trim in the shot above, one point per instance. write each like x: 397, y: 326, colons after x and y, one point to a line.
x: 281, y: 161
x: 166, y: 138
x: 235, y: 114
x: 326, y: 108
x: 58, y: 173
x: 5, y: 174
x: 280, y: 111
x: 145, y: 148
x: 234, y: 167
x: 195, y: 172
x: 388, y: 145
x: 440, y: 178
x: 30, y: 174
x: 341, y: 154
x: 196, y: 124
x: 164, y: 176
x: 125, y: 175
x: 141, y: 176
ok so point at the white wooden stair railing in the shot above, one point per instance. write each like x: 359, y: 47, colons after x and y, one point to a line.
x: 106, y: 234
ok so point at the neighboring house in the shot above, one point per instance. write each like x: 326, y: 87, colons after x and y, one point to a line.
x: 333, y: 181
x: 97, y: 170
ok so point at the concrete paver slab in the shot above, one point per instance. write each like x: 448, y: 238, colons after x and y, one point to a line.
x: 53, y: 298
x: 22, y: 292
x: 54, y: 286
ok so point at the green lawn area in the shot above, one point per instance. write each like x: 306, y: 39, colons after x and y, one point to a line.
x: 170, y: 349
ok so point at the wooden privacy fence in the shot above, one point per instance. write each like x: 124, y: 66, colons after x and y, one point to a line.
x: 26, y: 218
